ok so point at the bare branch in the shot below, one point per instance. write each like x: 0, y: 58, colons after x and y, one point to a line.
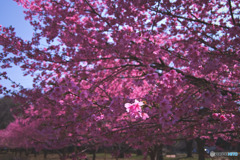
x: 230, y: 8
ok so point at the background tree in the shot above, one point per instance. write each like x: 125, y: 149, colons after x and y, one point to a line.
x: 6, y: 117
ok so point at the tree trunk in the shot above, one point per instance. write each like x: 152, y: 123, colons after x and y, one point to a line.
x: 94, y: 155
x: 34, y: 152
x: 200, y: 147
x: 139, y: 152
x: 156, y: 152
x: 189, y: 148
x: 26, y: 152
x: 160, y: 152
x: 20, y: 150
x: 64, y: 154
x: 45, y: 154
x: 238, y: 147
x: 121, y: 154
x: 121, y: 151
x: 15, y: 152
x: 151, y: 154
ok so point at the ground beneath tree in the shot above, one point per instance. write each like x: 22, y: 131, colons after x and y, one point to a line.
x: 100, y: 156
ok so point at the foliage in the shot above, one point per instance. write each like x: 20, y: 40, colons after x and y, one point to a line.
x: 137, y: 72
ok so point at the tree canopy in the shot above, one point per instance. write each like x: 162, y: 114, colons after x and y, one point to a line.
x: 138, y: 72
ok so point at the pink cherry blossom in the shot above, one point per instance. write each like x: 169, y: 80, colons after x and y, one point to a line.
x: 179, y: 58
x: 135, y: 110
x: 215, y: 115
x: 223, y: 118
x: 134, y: 107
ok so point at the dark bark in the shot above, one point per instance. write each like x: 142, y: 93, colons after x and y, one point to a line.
x: 34, y: 152
x: 156, y: 152
x: 200, y: 147
x: 15, y: 151
x: 94, y: 155
x: 189, y: 148
x: 238, y: 147
x: 121, y: 155
x: 26, y: 152
x: 139, y: 152
x: 160, y: 153
x: 6, y: 117
x: 151, y: 154
x: 45, y: 154
x: 20, y: 150
x: 64, y: 154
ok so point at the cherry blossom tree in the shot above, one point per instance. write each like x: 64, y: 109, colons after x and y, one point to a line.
x: 138, y: 72
x: 6, y: 117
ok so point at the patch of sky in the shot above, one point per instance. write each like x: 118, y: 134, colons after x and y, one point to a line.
x: 172, y: 1
x: 12, y: 15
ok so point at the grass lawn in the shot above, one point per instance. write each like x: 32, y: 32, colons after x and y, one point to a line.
x: 99, y: 156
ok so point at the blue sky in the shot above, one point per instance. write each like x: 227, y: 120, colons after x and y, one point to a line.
x: 12, y: 14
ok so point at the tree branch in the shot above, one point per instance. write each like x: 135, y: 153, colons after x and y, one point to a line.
x: 190, y: 19
x: 230, y: 8
x: 97, y: 13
